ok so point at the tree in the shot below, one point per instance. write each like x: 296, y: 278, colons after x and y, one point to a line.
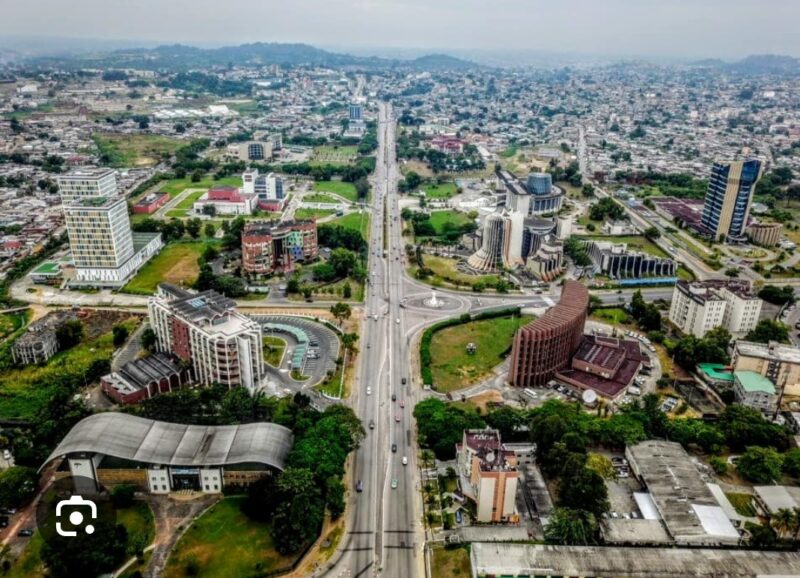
x: 210, y: 253
x: 719, y: 465
x: 193, y: 227
x: 341, y: 311
x: 324, y: 272
x: 120, y: 335
x: 349, y: 341
x: 761, y: 536
x: 638, y: 305
x: 760, y: 465
x: 791, y: 462
x: 652, y: 233
x: 334, y: 496
x: 148, y: 339
x: 587, y: 190
x: 343, y: 261
x: 298, y: 516
x: 69, y: 334
x: 601, y: 465
x: 441, y: 425
x: 347, y: 291
x: 87, y: 554
x: 17, y: 486
x: 732, y: 272
x: 777, y: 295
x: 362, y: 188
x: 572, y: 527
x: 122, y: 495
x: 584, y: 490
x: 209, y: 230
x: 783, y: 521
x: 769, y: 330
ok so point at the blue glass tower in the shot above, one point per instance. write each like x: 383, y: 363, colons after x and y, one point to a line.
x: 730, y: 193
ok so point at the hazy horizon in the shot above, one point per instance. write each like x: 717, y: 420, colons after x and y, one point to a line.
x: 666, y: 29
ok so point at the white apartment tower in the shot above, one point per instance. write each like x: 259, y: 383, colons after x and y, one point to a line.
x: 83, y: 183
x: 700, y: 306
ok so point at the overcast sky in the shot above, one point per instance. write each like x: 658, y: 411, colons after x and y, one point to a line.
x: 681, y: 28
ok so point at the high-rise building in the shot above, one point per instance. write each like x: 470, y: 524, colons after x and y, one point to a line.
x: 356, y: 111
x: 537, y: 196
x: 700, y: 306
x: 730, y: 192
x: 205, y: 330
x: 268, y: 189
x: 104, y: 250
x: 268, y: 247
x: 87, y: 182
x: 545, y: 345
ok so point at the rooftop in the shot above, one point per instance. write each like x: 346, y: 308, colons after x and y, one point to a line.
x: 753, y: 382
x: 154, y: 442
x: 772, y: 350
x: 503, y: 559
x: 702, y: 291
x: 716, y: 371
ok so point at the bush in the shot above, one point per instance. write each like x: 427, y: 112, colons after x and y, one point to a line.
x: 760, y: 465
x: 719, y: 465
x: 122, y: 495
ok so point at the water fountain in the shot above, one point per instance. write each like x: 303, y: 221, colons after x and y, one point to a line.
x: 433, y: 302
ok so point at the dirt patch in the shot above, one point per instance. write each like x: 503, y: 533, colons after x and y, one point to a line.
x: 482, y: 400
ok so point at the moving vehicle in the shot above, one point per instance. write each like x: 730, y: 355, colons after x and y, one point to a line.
x: 371, y: 424
x: 405, y: 461
x: 397, y: 418
x: 402, y: 403
x: 403, y: 381
x: 394, y: 483
x: 359, y: 486
x: 25, y: 533
x: 394, y: 448
x: 394, y: 397
x: 369, y: 391
x: 397, y: 321
x: 6, y: 455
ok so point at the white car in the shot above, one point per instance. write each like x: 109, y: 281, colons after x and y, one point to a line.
x: 369, y: 391
x: 6, y: 455
x: 375, y: 317
x: 397, y: 321
x: 405, y: 461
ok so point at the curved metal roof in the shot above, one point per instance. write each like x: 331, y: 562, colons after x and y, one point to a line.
x: 156, y: 442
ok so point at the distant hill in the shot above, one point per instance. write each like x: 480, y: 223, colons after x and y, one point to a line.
x: 181, y: 57
x: 756, y: 64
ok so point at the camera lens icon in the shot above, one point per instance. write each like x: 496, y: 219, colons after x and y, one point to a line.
x: 76, y: 519
x: 75, y: 516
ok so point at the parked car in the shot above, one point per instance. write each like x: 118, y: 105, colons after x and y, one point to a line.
x: 25, y: 533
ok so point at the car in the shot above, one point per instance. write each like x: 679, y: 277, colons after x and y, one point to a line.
x: 394, y: 483
x: 3, y: 521
x: 402, y: 403
x: 359, y: 486
x: 397, y: 321
x: 397, y: 418
x: 369, y: 391
x: 371, y: 424
x: 25, y: 533
x: 394, y: 397
x: 394, y: 448
x: 369, y: 346
x: 375, y: 317
x: 405, y: 461
x: 403, y: 381
x: 6, y: 455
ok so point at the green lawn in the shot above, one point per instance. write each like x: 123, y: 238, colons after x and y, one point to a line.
x: 138, y: 520
x: 341, y: 188
x: 273, y: 350
x: 334, y: 155
x: 445, y: 271
x: 135, y: 150
x: 24, y: 391
x: 306, y: 213
x: 176, y: 186
x: 176, y: 263
x: 29, y: 564
x: 453, y: 368
x: 320, y: 198
x: 612, y: 316
x: 450, y: 563
x: 357, y: 221
x: 439, y: 191
x: 439, y: 218
x: 224, y: 542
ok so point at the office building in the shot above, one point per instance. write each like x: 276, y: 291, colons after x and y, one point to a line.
x: 356, y: 111
x: 144, y: 378
x: 204, y: 330
x: 777, y: 362
x: 616, y: 261
x: 254, y: 150
x: 488, y: 475
x: 104, y: 250
x: 111, y: 448
x: 268, y: 189
x: 501, y: 243
x: 276, y: 247
x: 605, y: 365
x: 86, y: 182
x: 727, y: 204
x: 536, y: 197
x: 699, y: 306
x: 546, y: 345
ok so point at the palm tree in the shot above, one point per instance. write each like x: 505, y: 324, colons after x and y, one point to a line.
x: 783, y: 521
x: 349, y: 341
x: 796, y: 529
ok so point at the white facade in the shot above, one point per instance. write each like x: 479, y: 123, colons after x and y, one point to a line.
x: 697, y: 308
x: 99, y: 232
x: 87, y: 183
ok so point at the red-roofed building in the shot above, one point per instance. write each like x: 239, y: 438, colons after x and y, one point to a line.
x: 448, y: 145
x: 606, y: 365
x: 226, y: 200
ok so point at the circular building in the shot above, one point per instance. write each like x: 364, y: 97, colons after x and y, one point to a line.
x: 545, y: 345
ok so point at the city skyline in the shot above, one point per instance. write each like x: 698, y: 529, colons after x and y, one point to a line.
x: 612, y: 29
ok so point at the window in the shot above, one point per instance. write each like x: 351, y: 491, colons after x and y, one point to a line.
x: 206, y: 487
x: 164, y: 488
x: 216, y: 487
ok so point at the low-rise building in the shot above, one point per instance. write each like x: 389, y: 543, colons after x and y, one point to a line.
x: 764, y: 234
x: 605, y: 365
x: 488, y: 475
x: 225, y: 200
x: 777, y: 362
x: 682, y: 498
x: 143, y: 378
x: 616, y: 261
x: 699, y: 306
x: 149, y: 204
x: 39, y: 342
x: 754, y: 390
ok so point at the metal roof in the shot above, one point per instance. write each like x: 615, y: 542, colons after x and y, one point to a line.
x: 754, y: 382
x: 154, y: 442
